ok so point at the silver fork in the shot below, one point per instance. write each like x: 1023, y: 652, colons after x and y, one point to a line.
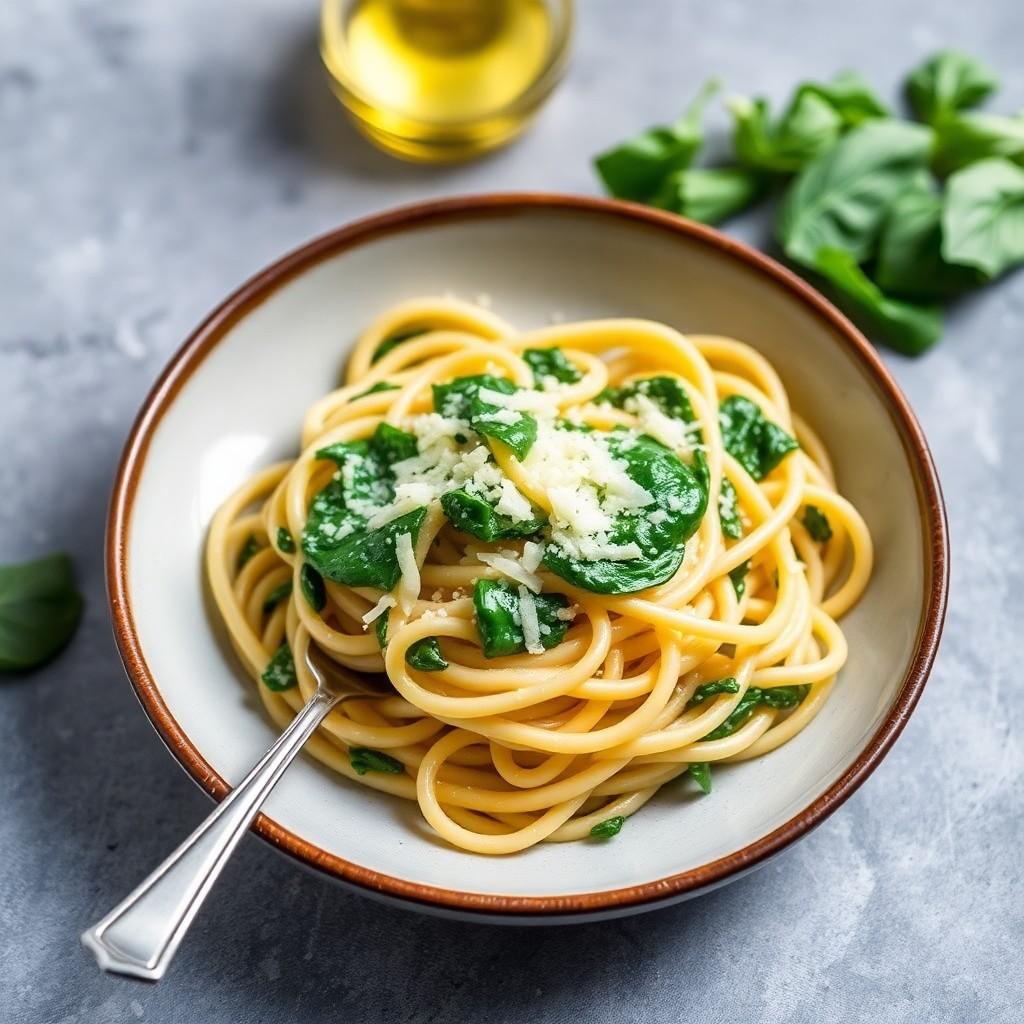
x: 141, y: 934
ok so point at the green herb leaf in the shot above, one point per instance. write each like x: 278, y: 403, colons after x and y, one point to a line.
x: 280, y: 671
x: 276, y: 596
x: 709, y: 194
x: 910, y: 262
x: 754, y: 441
x: 810, y: 125
x: 904, y: 326
x: 550, y: 362
x: 518, y: 430
x: 426, y: 655
x: 636, y: 168
x: 394, y: 341
x: 983, y: 217
x: 665, y: 392
x: 701, y: 773
x: 713, y: 689
x: 453, y: 398
x: 364, y: 760
x: 851, y: 97
x: 393, y: 445
x: 249, y: 548
x: 497, y: 618
x: 380, y: 629
x: 729, y: 511
x: 738, y: 576
x: 608, y: 828
x: 40, y: 609
x: 774, y: 697
x: 312, y: 585
x: 841, y: 198
x: 381, y: 385
x: 947, y: 82
x: 285, y: 541
x: 817, y: 525
x: 474, y: 515
x: 965, y: 139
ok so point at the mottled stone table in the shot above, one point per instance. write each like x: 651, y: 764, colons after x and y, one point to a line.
x: 152, y: 155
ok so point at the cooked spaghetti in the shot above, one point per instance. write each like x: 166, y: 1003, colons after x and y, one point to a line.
x: 591, y: 558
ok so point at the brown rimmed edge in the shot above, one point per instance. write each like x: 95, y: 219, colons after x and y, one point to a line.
x: 662, y: 890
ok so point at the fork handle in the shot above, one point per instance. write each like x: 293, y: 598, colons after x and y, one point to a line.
x: 141, y: 934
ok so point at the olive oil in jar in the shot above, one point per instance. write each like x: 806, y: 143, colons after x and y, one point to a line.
x: 443, y: 79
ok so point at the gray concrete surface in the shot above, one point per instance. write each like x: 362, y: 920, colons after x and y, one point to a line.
x: 152, y: 155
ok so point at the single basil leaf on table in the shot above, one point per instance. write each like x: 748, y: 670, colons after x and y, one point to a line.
x: 964, y: 139
x: 636, y: 168
x: 810, y: 125
x: 364, y: 760
x: 550, y: 362
x: 285, y: 541
x: 676, y: 491
x: 249, y: 548
x: 608, y: 828
x: 700, y: 772
x: 947, y: 82
x: 729, y: 511
x: 280, y: 671
x: 40, y: 608
x: 709, y: 194
x: 476, y: 516
x: 392, y: 342
x: 910, y: 263
x: 756, y: 443
x: 498, y: 619
x: 276, y: 596
x: 851, y: 98
x: 425, y: 655
x: 817, y: 525
x: 840, y: 199
x: 904, y: 326
x: 983, y: 217
x: 312, y: 586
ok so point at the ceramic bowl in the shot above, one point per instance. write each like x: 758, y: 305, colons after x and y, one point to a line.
x: 286, y: 333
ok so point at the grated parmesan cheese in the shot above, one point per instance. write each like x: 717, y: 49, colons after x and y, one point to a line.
x: 530, y: 622
x: 409, y: 583
x: 386, y: 602
x: 508, y: 564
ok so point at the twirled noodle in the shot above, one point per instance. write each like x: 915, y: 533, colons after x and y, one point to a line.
x: 505, y: 752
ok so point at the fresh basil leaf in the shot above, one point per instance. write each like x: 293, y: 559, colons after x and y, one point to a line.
x: 840, y: 199
x: 426, y: 655
x: 983, y: 217
x: 700, y: 771
x: 713, y: 689
x: 550, y: 362
x: 948, y: 82
x: 280, y: 671
x: 851, y: 98
x: 775, y: 697
x: 738, y: 577
x: 709, y: 194
x: 516, y: 429
x: 676, y: 490
x: 817, y: 525
x: 904, y: 326
x: 367, y: 558
x: 729, y: 511
x: 474, y: 515
x: 636, y: 168
x: 381, y: 385
x: 608, y: 828
x: 312, y: 585
x: 756, y: 443
x: 285, y: 541
x: 394, y: 341
x: 276, y: 596
x: 965, y: 139
x: 809, y: 126
x: 498, y: 618
x: 40, y: 609
x: 364, y: 760
x: 249, y: 548
x: 910, y: 263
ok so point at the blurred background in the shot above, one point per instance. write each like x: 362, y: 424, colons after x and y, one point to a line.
x: 153, y: 156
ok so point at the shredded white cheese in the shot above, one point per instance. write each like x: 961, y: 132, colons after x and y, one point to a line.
x: 509, y: 565
x: 386, y: 602
x: 530, y: 623
x: 409, y: 583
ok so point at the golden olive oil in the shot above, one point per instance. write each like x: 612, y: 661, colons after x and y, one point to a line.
x: 443, y: 79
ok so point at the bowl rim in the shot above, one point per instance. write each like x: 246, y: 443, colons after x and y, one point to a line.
x: 642, y: 896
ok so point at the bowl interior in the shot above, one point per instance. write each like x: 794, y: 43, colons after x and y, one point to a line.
x: 241, y: 408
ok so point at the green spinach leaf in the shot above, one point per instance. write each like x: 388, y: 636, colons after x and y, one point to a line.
x: 809, y: 126
x: 851, y: 97
x: 280, y: 671
x: 700, y: 771
x: 608, y: 828
x: 276, y: 596
x: 474, y: 515
x: 729, y: 511
x: 774, y: 697
x: 967, y: 138
x: 285, y: 541
x: 364, y: 760
x: 518, y: 430
x: 312, y: 586
x: 40, y: 609
x: 817, y: 525
x: 738, y: 576
x: 395, y: 340
x: 636, y: 168
x: 948, y: 82
x: 550, y: 362
x: 713, y: 689
x: 665, y: 392
x: 756, y: 443
x: 904, y: 326
x: 709, y: 194
x: 381, y: 385
x: 249, y: 548
x: 499, y: 623
x: 426, y: 655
